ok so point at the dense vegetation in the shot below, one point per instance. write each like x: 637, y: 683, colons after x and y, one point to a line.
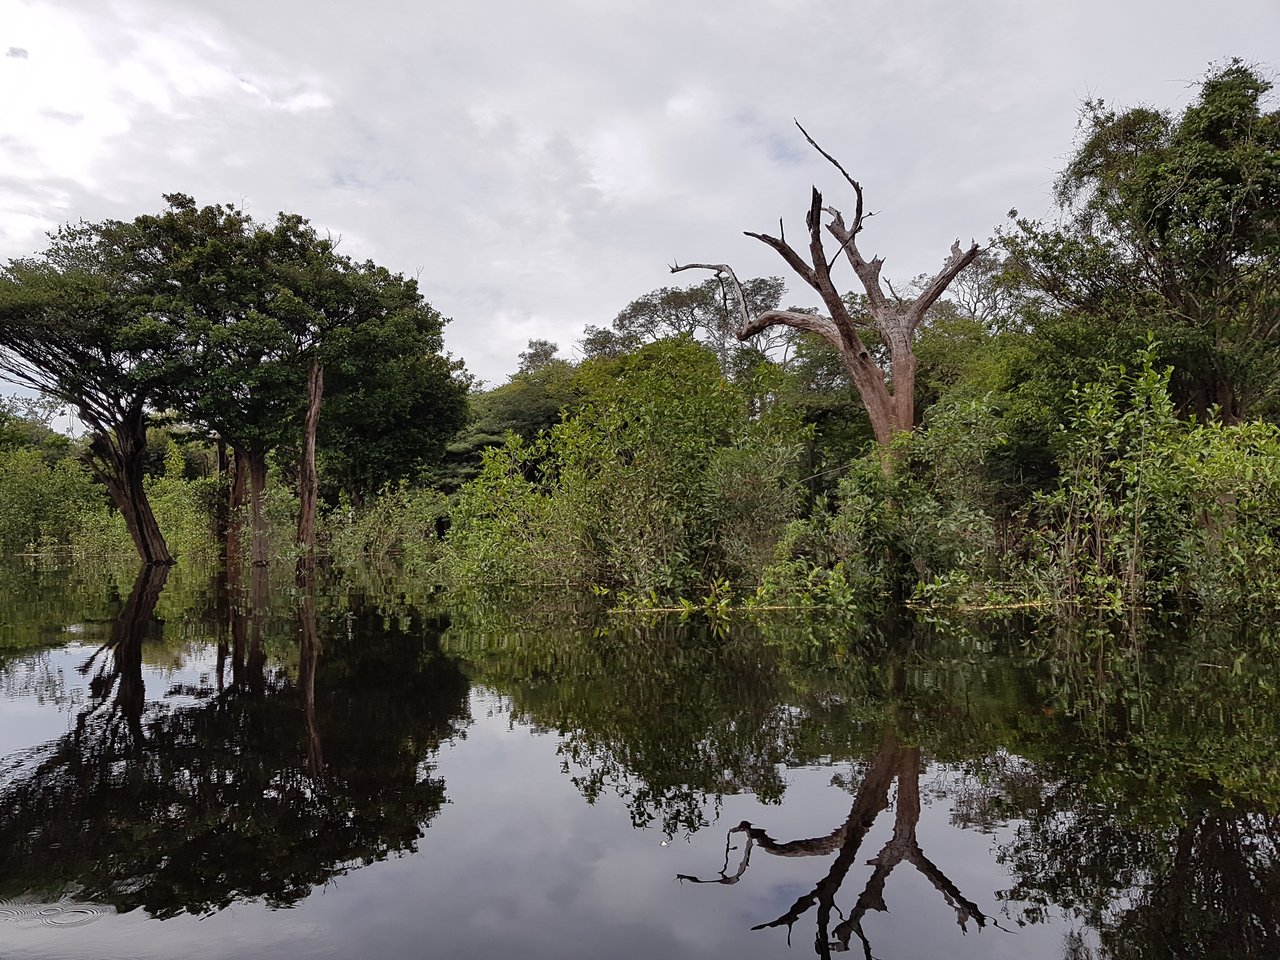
x: 1093, y: 420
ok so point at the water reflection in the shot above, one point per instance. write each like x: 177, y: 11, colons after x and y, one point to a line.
x: 119, y: 667
x: 189, y: 802
x: 894, y: 760
x: 969, y: 779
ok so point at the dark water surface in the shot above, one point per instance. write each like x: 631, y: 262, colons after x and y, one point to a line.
x: 191, y: 771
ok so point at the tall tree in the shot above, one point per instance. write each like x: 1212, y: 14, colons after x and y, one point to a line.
x: 242, y: 304
x: 1171, y: 224
x: 394, y: 399
x: 888, y: 394
x: 538, y: 354
x: 269, y: 318
x: 75, y: 324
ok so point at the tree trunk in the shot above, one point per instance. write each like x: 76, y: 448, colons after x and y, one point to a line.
x: 256, y: 462
x: 222, y: 511
x: 235, y: 526
x: 307, y: 479
x: 118, y: 464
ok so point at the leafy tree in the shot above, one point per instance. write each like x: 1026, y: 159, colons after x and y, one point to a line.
x: 1168, y: 223
x: 659, y: 479
x: 600, y: 343
x: 526, y: 405
x: 705, y: 312
x: 75, y: 323
x: 255, y: 315
x: 392, y: 398
x: 24, y: 422
x: 538, y: 355
x: 242, y: 306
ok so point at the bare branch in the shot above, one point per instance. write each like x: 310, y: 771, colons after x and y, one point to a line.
x: 725, y: 877
x: 794, y: 260
x: 857, y: 187
x: 812, y: 322
x: 896, y: 318
x: 724, y: 273
x: 937, y: 286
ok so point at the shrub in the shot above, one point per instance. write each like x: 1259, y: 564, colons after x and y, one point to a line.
x: 647, y: 487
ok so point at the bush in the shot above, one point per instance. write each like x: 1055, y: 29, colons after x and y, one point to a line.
x: 401, y: 523
x: 900, y: 518
x: 660, y: 482
x: 1150, y: 508
x: 41, y: 504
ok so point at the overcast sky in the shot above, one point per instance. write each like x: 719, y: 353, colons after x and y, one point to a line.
x: 539, y: 163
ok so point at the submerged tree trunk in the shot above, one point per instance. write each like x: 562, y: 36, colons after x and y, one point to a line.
x: 235, y: 525
x: 256, y: 464
x: 308, y: 482
x: 117, y: 461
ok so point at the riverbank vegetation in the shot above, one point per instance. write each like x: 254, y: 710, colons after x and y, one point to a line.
x: 1079, y: 415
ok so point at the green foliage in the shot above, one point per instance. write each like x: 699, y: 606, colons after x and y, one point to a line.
x: 704, y: 312
x: 1169, y: 225
x: 41, y: 505
x: 393, y: 398
x: 924, y: 512
x: 530, y: 402
x: 1150, y: 507
x: 24, y: 422
x: 184, y: 509
x: 817, y: 389
x: 401, y: 523
x: 648, y: 486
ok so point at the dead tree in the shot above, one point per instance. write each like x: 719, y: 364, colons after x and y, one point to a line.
x: 887, y: 394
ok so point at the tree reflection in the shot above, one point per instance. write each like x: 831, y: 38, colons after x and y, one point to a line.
x: 893, y: 760
x: 1156, y: 824
x: 667, y: 717
x: 208, y: 796
x: 119, y: 664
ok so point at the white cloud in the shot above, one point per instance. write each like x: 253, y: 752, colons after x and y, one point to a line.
x: 540, y: 164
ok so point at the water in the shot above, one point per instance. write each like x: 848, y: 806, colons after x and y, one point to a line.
x: 372, y: 773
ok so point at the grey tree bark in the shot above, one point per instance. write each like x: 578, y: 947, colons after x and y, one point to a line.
x: 887, y: 393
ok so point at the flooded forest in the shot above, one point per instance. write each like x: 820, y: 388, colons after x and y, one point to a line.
x: 937, y: 618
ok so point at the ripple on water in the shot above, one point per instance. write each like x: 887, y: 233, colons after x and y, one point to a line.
x: 64, y: 913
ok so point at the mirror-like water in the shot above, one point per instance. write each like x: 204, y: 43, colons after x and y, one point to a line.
x: 196, y: 771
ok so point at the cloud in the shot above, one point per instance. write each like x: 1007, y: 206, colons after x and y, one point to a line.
x: 540, y: 164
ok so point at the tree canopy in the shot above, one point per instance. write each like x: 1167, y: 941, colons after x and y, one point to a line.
x: 1168, y: 224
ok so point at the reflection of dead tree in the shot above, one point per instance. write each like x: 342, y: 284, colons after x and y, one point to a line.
x: 892, y: 760
x: 308, y: 657
x: 123, y: 670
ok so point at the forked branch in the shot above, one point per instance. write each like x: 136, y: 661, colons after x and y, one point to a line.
x: 887, y: 393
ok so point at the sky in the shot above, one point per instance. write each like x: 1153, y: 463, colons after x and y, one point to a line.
x: 538, y: 164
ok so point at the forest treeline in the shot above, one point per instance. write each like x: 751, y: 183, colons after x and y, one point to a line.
x: 1080, y: 413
